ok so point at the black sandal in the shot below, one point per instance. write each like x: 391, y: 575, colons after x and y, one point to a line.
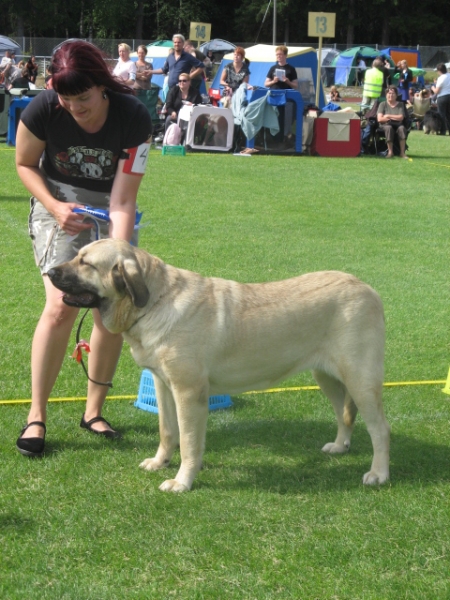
x: 106, y: 433
x: 33, y: 446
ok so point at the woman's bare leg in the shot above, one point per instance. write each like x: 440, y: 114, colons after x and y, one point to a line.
x: 47, y: 353
x: 105, y: 353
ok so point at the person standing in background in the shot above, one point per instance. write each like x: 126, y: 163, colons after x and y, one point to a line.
x: 441, y: 88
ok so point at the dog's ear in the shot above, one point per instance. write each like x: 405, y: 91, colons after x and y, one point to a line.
x: 127, y: 276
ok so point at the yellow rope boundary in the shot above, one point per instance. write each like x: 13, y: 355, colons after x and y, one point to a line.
x: 271, y: 391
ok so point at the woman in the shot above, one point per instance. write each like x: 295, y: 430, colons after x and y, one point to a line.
x: 23, y: 81
x: 442, y: 89
x: 282, y: 75
x: 235, y: 73
x: 32, y: 68
x: 405, y: 79
x: 86, y: 129
x: 142, y: 85
x: 180, y: 94
x: 125, y: 68
x: 391, y: 117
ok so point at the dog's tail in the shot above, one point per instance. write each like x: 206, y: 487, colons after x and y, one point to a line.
x: 350, y: 410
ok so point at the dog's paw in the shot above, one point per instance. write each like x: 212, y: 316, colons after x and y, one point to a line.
x: 373, y: 478
x: 172, y: 485
x: 333, y: 448
x: 151, y: 464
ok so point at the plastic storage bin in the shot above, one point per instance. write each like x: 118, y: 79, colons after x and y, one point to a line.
x: 146, y: 399
x: 173, y: 151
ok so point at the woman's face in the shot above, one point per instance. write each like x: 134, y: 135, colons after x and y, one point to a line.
x: 85, y: 108
x: 391, y: 95
x: 124, y: 54
x: 184, y: 83
x: 237, y: 57
x: 141, y: 54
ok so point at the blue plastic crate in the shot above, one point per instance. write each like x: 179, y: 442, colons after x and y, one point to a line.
x: 146, y: 399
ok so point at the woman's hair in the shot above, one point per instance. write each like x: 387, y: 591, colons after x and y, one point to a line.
x: 282, y: 49
x: 392, y: 88
x: 239, y: 50
x: 78, y: 66
x: 125, y: 47
x: 144, y: 48
x: 441, y: 68
x: 185, y: 75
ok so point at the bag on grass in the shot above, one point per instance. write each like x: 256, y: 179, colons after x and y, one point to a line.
x: 172, y: 136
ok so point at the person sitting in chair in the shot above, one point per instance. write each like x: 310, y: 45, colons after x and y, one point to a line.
x: 392, y: 119
x: 179, y: 95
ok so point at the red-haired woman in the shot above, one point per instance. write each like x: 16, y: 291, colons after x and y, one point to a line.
x: 87, y: 130
x: 235, y: 73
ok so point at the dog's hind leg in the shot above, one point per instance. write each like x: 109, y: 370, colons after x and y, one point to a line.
x: 168, y: 428
x: 368, y: 398
x: 192, y: 411
x: 344, y: 408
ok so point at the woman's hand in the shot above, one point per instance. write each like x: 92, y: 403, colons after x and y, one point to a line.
x: 70, y: 222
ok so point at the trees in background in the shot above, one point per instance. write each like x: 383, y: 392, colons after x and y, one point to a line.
x: 395, y: 22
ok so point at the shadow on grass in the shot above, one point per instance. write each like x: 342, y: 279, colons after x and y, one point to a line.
x: 279, y: 454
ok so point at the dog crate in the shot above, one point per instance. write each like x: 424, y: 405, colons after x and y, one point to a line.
x: 146, y: 399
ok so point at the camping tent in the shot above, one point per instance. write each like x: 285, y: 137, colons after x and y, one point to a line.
x: 8, y: 44
x: 412, y: 57
x: 262, y: 57
x: 217, y: 45
x: 346, y: 63
x: 162, y: 44
x: 326, y: 70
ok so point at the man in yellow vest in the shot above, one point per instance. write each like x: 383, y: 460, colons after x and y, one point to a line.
x: 373, y: 83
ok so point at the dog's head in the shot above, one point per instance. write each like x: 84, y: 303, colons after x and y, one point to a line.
x: 106, y: 275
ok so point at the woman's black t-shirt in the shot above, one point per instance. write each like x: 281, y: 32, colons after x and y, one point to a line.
x: 81, y: 159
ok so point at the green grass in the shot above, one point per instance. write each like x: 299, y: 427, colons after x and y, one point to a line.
x: 269, y: 516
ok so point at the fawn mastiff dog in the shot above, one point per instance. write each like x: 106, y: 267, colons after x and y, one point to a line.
x: 203, y: 336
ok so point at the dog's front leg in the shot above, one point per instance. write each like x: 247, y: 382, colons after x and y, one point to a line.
x: 168, y: 428
x: 192, y: 410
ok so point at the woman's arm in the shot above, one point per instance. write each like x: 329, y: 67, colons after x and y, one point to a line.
x: 223, y: 77
x: 29, y: 150
x: 122, y: 206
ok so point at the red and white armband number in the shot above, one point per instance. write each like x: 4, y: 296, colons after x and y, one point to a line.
x: 136, y: 159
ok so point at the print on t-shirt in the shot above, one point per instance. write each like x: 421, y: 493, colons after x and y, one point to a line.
x: 80, y: 161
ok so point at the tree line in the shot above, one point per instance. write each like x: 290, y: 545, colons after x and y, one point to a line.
x: 387, y: 22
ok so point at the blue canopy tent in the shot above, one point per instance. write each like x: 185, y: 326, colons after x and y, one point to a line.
x: 262, y: 57
x: 7, y: 43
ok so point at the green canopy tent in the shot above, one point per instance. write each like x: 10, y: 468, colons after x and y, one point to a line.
x: 346, y: 63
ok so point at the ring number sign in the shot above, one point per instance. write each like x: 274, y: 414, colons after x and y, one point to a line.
x: 321, y: 24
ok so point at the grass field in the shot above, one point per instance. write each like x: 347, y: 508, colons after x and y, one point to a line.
x: 269, y: 516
